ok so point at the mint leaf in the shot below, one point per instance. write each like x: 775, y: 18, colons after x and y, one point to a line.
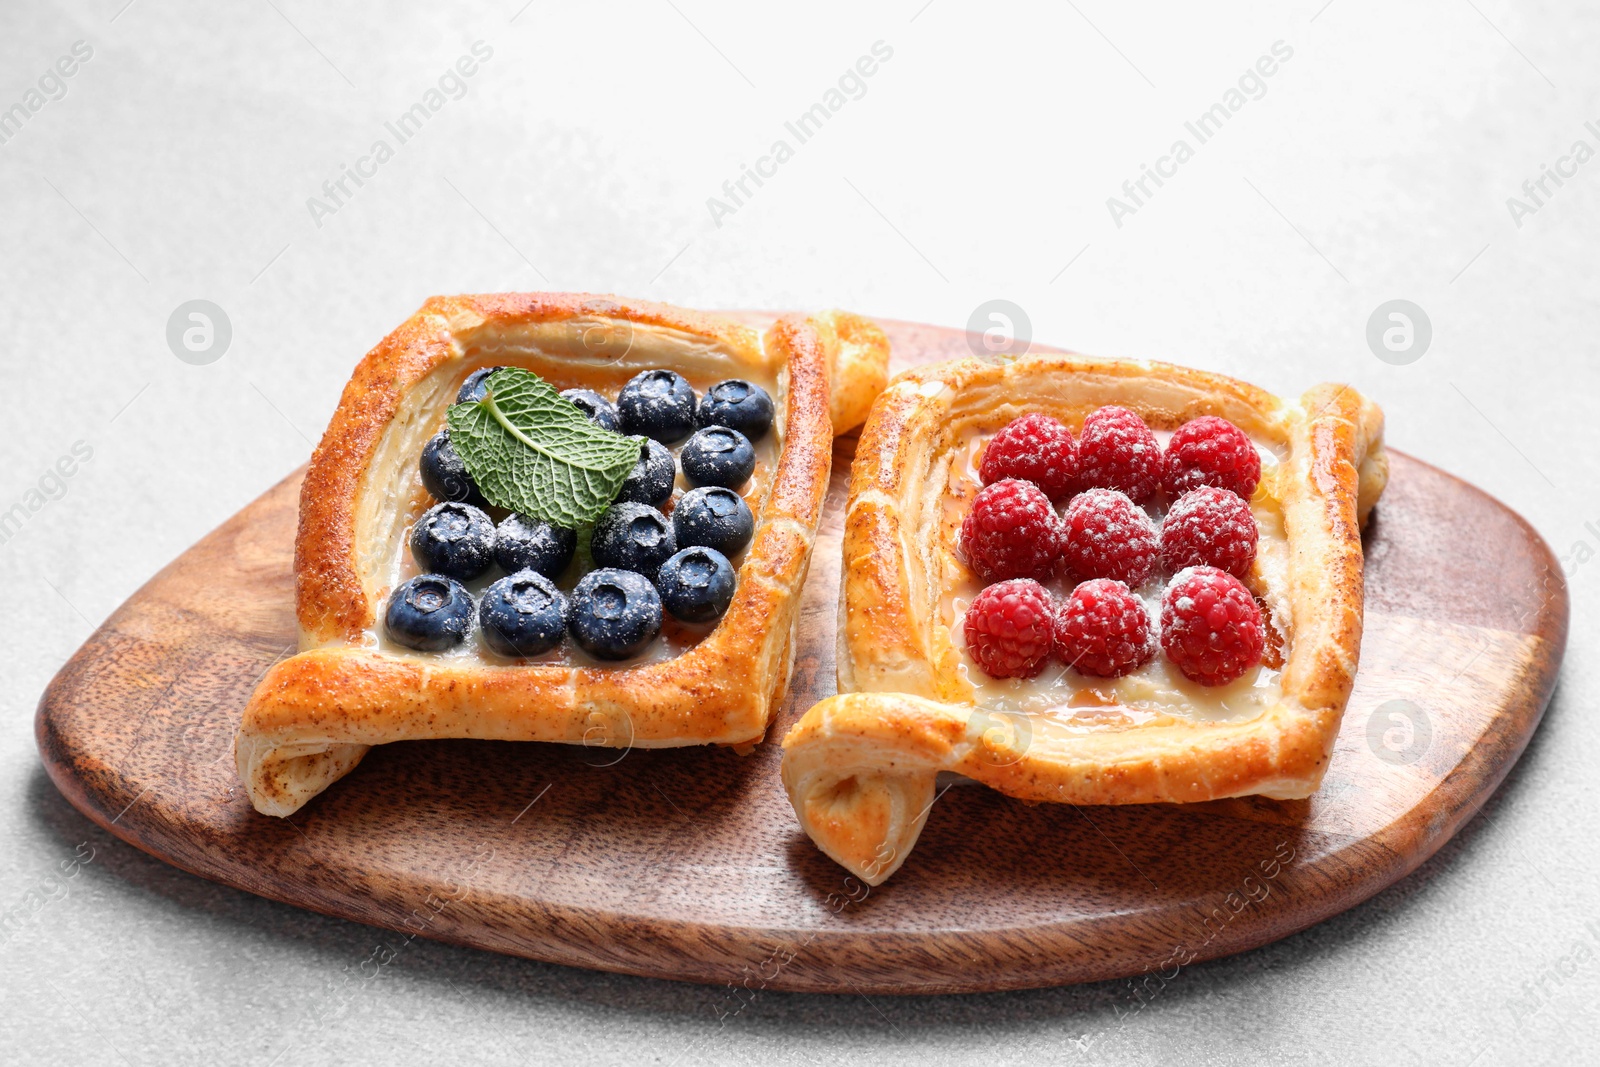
x: 532, y: 452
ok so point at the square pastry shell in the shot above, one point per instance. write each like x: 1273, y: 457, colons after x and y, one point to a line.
x: 314, y: 715
x: 860, y: 767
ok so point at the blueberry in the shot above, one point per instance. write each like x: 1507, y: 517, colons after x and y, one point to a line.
x: 445, y: 476
x: 601, y: 412
x: 658, y: 404
x: 429, y: 613
x: 738, y: 405
x: 455, y: 540
x: 632, y: 537
x: 717, y: 455
x: 521, y: 543
x: 523, y: 615
x: 650, y: 481
x: 696, y: 585
x: 473, y: 388
x: 714, y: 517
x: 615, y: 614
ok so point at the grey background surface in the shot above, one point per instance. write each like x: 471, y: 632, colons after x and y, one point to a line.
x: 975, y: 163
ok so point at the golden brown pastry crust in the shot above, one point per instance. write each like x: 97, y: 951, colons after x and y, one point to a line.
x: 859, y: 767
x: 312, y: 716
x: 858, y: 367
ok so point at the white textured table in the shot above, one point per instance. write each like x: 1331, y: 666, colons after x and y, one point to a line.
x: 1332, y: 160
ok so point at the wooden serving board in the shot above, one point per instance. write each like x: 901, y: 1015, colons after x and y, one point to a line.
x: 688, y: 863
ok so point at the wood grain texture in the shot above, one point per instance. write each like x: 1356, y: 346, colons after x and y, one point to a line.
x: 688, y: 863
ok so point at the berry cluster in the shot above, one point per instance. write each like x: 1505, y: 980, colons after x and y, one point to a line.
x: 652, y: 551
x: 1105, y: 544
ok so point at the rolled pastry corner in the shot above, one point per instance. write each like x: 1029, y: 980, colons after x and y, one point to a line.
x: 288, y: 747
x: 282, y: 776
x: 1338, y: 409
x: 858, y: 366
x: 859, y: 769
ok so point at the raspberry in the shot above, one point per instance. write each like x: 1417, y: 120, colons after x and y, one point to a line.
x: 1034, y: 448
x: 1010, y: 628
x: 1209, y: 527
x: 1210, y: 626
x: 1011, y: 532
x: 1211, y: 451
x: 1116, y: 450
x: 1104, y: 630
x: 1106, y: 535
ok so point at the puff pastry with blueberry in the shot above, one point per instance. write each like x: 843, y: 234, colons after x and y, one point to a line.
x: 557, y: 517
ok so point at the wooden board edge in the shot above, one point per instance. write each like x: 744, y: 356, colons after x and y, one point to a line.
x: 1408, y: 842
